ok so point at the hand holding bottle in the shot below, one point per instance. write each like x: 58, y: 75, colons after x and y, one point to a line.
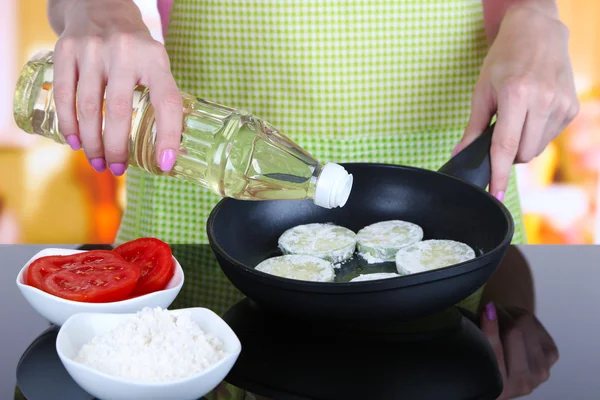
x: 104, y: 51
x: 108, y: 88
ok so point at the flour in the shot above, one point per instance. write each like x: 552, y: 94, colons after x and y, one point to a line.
x: 381, y: 241
x: 299, y: 267
x: 327, y: 241
x: 370, y: 259
x: 153, y: 346
x: 374, y: 276
x: 432, y: 254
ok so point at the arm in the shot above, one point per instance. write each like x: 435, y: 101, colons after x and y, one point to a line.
x: 512, y: 283
x: 495, y: 10
x: 524, y: 349
x: 526, y: 81
x: 56, y: 13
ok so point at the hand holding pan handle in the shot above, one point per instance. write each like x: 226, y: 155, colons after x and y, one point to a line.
x: 473, y: 163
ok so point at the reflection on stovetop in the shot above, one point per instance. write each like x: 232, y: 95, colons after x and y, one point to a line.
x: 442, y: 357
x: 41, y: 375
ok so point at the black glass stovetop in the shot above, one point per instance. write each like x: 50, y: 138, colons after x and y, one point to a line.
x: 445, y: 356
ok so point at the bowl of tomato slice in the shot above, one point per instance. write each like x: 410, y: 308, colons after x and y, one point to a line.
x: 59, y: 283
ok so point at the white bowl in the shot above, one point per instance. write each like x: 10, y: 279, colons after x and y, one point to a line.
x: 82, y: 328
x: 57, y: 310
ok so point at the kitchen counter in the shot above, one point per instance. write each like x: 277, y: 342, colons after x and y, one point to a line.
x: 567, y: 296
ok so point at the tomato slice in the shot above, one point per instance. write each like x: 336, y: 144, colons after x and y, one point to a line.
x: 155, y: 259
x: 94, y: 283
x: 44, y: 266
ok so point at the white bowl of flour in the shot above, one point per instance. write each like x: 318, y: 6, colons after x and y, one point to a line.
x: 153, y: 354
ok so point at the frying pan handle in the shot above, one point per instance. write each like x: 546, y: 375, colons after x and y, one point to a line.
x: 473, y: 163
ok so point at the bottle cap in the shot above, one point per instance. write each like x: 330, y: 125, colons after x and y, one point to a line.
x: 333, y: 186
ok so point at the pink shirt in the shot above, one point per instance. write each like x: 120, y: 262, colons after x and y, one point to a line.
x: 164, y: 9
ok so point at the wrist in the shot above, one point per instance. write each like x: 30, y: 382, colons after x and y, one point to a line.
x: 57, y: 11
x: 547, y: 8
x: 495, y: 12
x: 61, y: 11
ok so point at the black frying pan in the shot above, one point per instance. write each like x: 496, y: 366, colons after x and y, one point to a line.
x: 448, y: 204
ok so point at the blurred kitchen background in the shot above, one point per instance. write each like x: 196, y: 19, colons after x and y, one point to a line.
x: 49, y: 194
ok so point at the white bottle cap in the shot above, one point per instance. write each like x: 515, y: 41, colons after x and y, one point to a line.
x: 333, y: 186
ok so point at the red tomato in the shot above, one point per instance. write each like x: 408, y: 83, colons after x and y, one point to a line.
x: 44, y: 266
x: 155, y: 259
x: 94, y: 283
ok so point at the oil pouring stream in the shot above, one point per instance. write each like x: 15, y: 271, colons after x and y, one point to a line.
x: 230, y: 152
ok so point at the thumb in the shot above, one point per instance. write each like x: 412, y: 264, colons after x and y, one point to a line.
x: 483, y: 108
x: 489, y: 326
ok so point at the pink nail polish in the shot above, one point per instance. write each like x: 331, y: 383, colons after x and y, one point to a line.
x: 490, y: 311
x: 167, y: 160
x: 455, y: 150
x: 98, y: 164
x: 117, y: 169
x: 500, y: 196
x: 74, y: 142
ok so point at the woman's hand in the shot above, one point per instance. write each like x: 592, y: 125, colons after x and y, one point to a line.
x: 524, y: 349
x: 527, y: 81
x: 105, y: 46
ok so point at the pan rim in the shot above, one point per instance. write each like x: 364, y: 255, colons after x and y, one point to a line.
x: 378, y: 284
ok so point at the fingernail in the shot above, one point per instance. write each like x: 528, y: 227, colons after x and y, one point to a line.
x: 500, y: 196
x: 455, y: 150
x: 117, y: 169
x: 98, y: 164
x: 490, y: 311
x: 167, y: 160
x: 74, y: 142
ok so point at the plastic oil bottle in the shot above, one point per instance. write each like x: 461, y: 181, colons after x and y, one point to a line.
x: 230, y: 152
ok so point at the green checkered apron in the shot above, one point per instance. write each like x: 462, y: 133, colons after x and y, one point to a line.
x: 386, y: 81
